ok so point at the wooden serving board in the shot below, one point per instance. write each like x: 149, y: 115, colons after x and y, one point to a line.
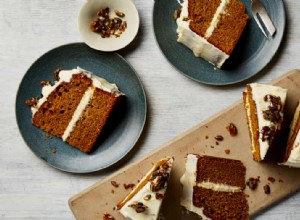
x: 101, y: 197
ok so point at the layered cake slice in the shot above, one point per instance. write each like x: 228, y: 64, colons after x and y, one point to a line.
x: 213, y: 188
x: 145, y: 200
x: 292, y: 155
x: 264, y: 106
x: 76, y: 107
x: 211, y: 28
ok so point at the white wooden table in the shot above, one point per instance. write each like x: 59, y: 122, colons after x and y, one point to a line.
x: 31, y: 189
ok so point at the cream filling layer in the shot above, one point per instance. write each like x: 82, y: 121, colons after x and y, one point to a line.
x: 199, y: 45
x: 258, y: 93
x: 188, y: 181
x: 294, y: 158
x: 78, y: 112
x: 220, y: 10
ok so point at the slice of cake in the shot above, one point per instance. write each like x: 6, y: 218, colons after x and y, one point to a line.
x: 76, y: 107
x: 211, y: 28
x: 213, y: 188
x: 145, y: 200
x: 292, y: 155
x: 264, y: 106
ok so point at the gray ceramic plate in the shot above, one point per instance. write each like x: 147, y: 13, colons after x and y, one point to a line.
x: 123, y: 130
x: 252, y: 53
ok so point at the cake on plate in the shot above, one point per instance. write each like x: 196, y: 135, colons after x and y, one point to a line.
x: 264, y: 105
x: 292, y: 155
x: 145, y: 200
x: 213, y: 188
x: 76, y: 107
x: 211, y: 28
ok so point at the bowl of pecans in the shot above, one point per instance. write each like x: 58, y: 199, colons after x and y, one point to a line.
x: 108, y: 25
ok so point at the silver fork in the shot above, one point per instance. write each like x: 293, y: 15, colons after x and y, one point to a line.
x: 259, y: 10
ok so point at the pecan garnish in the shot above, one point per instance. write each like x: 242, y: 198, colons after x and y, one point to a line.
x: 106, y: 26
x: 177, y: 13
x: 130, y: 185
x: 114, y: 183
x: 271, y: 179
x: 267, y: 189
x: 147, y: 197
x: 268, y: 133
x: 232, y: 129
x: 119, y: 14
x: 219, y: 138
x: 272, y: 115
x: 56, y: 74
x: 159, y: 196
x: 159, y: 178
x: 252, y: 182
x: 139, y: 207
x: 31, y: 102
x: 107, y: 216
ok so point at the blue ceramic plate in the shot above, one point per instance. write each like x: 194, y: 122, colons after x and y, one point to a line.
x: 123, y: 130
x: 252, y: 53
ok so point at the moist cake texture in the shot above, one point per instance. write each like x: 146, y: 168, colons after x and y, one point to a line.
x: 264, y: 105
x: 213, y: 188
x: 144, y: 201
x: 292, y: 155
x: 211, y: 28
x: 76, y: 107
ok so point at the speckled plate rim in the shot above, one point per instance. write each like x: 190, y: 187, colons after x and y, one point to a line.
x: 70, y: 170
x: 279, y: 34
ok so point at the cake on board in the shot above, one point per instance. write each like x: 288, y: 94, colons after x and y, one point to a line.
x: 76, y: 107
x: 144, y: 201
x: 264, y: 107
x: 292, y: 155
x: 213, y: 188
x: 211, y: 28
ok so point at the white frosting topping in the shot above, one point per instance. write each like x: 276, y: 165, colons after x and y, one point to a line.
x: 66, y: 76
x: 258, y: 93
x: 199, y: 45
x: 294, y: 158
x: 153, y: 204
x: 188, y: 181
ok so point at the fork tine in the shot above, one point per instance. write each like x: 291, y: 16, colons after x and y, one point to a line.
x: 259, y: 24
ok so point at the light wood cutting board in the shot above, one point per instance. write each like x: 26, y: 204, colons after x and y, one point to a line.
x: 101, y: 197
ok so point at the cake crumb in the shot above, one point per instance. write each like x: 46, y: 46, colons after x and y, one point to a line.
x: 271, y: 179
x: 227, y: 151
x: 280, y: 180
x: 114, y: 183
x: 206, y: 137
x: 217, y: 143
x: 212, y: 146
x: 112, y: 191
x: 47, y: 135
x: 267, y: 189
x: 53, y: 150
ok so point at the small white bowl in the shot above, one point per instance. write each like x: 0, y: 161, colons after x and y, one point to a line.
x: 88, y: 13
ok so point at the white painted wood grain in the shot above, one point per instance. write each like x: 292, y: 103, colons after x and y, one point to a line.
x: 29, y: 188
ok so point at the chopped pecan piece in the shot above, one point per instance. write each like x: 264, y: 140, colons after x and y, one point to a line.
x: 267, y: 189
x: 252, y: 182
x: 139, y: 207
x: 114, y: 183
x: 31, y: 102
x: 107, y: 216
x: 219, y: 138
x: 232, y: 129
